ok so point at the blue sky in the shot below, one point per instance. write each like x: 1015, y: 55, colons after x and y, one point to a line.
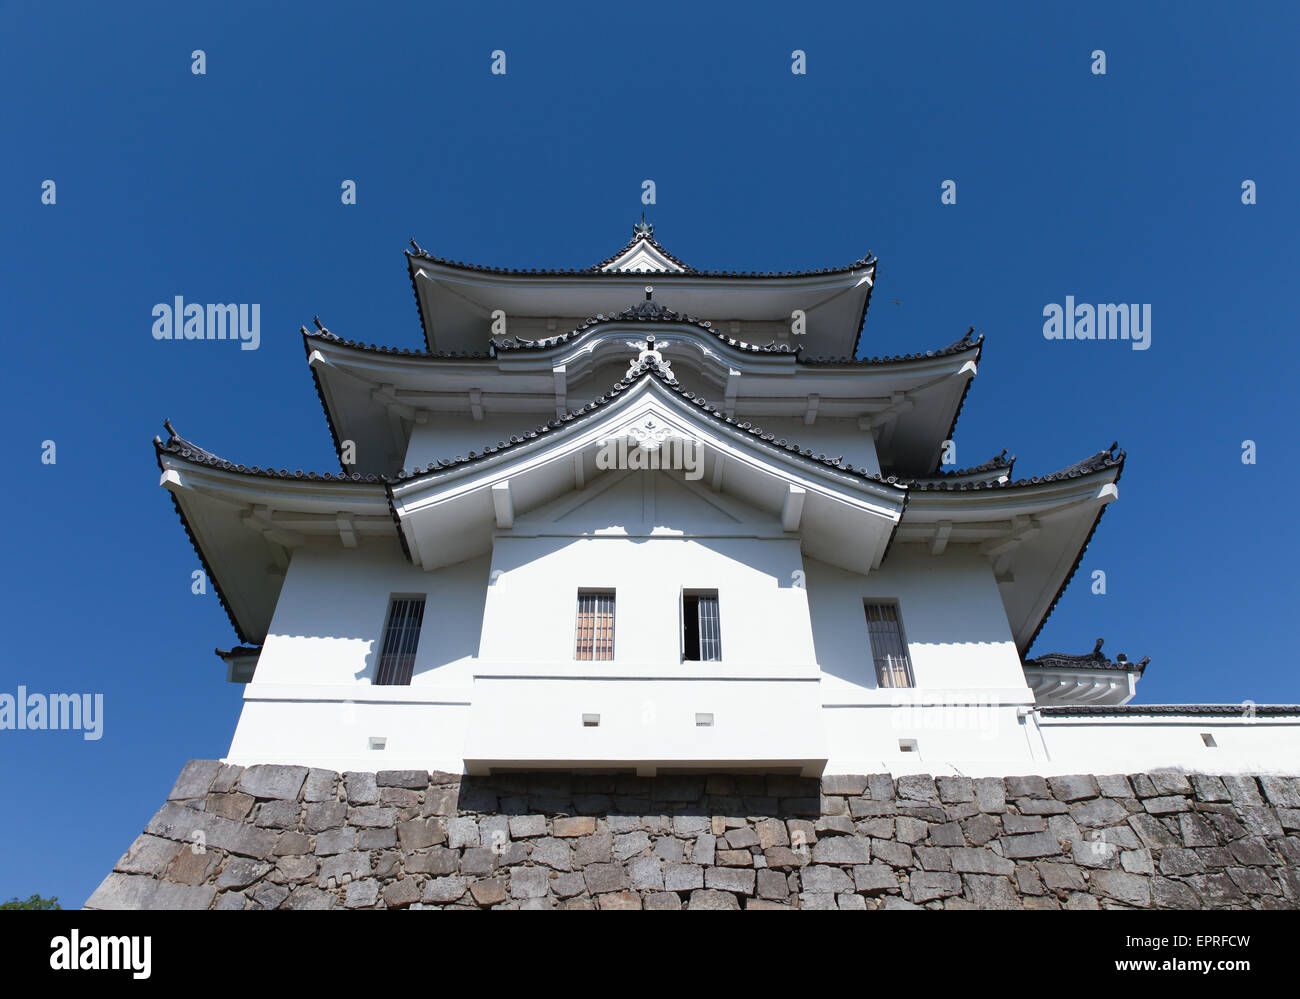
x: 225, y: 187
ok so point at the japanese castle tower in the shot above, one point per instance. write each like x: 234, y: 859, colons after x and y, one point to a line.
x: 648, y: 518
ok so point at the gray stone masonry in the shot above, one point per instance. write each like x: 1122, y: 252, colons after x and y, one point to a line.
x: 289, y: 837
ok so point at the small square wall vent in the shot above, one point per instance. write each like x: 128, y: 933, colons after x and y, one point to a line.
x: 704, y: 719
x: 378, y: 742
x: 908, y: 746
x: 590, y: 721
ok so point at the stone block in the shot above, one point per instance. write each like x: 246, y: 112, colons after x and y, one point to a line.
x: 605, y: 878
x: 873, y: 879
x: 148, y: 855
x: 195, y: 780
x: 401, y: 893
x: 320, y: 785
x: 1073, y: 788
x: 361, y: 788
x: 844, y: 785
x: 273, y: 781
x: 278, y: 814
x: 362, y: 894
x: 240, y: 872
x: 527, y: 826
x: 307, y: 897
x: 336, y: 841
x: 683, y: 877
x: 928, y: 885
x: 1042, y: 844
x: 841, y: 850
x: 822, y: 878
x: 967, y: 860
x: 733, y: 879
x: 708, y: 899
x: 420, y: 833
x: 580, y: 825
x: 1131, y: 889
x: 372, y: 816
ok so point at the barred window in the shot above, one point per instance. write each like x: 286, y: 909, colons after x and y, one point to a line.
x: 595, y: 632
x: 701, y: 627
x: 401, y: 639
x: 888, y: 649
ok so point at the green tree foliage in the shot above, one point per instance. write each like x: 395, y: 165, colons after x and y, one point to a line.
x: 34, y: 902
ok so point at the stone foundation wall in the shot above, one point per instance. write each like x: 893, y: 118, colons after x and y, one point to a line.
x: 287, y: 837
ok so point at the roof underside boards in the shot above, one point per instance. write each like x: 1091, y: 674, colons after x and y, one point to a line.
x: 1061, y: 678
x: 245, y: 523
x: 373, y: 397
x: 843, y: 516
x: 1033, y: 531
x: 1082, y: 686
x: 457, y: 301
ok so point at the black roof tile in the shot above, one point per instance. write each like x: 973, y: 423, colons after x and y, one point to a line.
x: 646, y: 369
x: 1091, y: 660
x: 1246, y: 710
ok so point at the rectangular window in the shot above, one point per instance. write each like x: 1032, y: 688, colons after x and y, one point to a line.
x: 595, y: 633
x: 701, y: 629
x: 893, y: 669
x: 401, y: 639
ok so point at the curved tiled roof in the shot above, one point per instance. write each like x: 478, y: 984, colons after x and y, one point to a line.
x: 595, y: 271
x: 181, y: 448
x: 641, y: 232
x: 647, y: 311
x: 998, y: 463
x: 1112, y: 457
x: 1246, y: 710
x: 1092, y: 660
x: 439, y: 355
x: 645, y: 369
x: 968, y: 342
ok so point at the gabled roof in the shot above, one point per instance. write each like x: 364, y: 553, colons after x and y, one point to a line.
x: 639, y: 371
x: 647, y: 311
x: 643, y: 253
x: 601, y: 269
x: 843, y: 514
x: 455, y: 299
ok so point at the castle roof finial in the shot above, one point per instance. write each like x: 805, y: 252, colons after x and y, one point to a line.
x: 643, y: 228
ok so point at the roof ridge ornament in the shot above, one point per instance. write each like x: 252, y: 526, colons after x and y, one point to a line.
x: 643, y: 229
x: 647, y: 352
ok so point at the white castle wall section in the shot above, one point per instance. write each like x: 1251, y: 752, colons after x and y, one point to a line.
x: 447, y: 435
x: 796, y: 681
x: 831, y: 437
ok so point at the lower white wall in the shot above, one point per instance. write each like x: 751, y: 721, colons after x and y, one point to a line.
x: 495, y: 680
x: 1127, y: 744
